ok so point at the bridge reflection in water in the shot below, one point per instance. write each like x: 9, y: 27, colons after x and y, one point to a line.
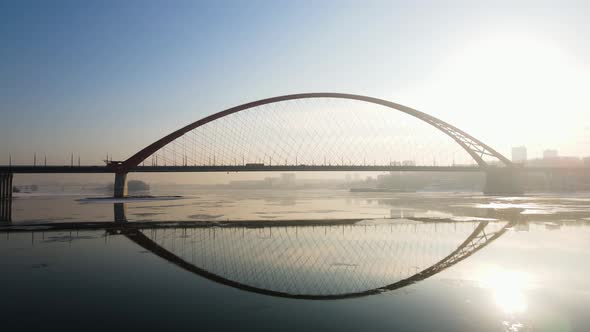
x: 314, y: 260
x: 318, y: 262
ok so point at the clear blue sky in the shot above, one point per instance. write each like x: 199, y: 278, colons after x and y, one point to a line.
x: 113, y: 76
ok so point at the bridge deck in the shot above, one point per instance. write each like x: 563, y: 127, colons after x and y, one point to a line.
x: 267, y: 168
x: 238, y: 168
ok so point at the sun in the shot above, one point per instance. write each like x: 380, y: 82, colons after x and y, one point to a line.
x: 524, y: 83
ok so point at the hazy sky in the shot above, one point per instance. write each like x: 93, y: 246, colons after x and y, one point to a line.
x: 98, y: 77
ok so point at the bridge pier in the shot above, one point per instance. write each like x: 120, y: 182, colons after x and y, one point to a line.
x: 120, y: 185
x: 6, y: 186
x: 5, y: 210
x: 6, y: 196
x: 120, y: 212
x: 505, y: 181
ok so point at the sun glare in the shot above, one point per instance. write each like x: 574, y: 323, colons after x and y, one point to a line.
x: 518, y: 82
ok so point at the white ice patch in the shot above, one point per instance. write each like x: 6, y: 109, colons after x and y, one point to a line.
x: 94, y: 200
x: 386, y: 221
x: 536, y: 211
x: 467, y: 218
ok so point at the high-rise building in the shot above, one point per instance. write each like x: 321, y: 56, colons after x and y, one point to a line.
x: 288, y: 179
x: 550, y: 154
x: 519, y: 154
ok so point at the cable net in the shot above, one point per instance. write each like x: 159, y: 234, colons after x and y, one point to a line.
x: 314, y: 131
x: 321, y: 260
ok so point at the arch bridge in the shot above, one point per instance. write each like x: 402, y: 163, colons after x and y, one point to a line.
x: 311, y: 132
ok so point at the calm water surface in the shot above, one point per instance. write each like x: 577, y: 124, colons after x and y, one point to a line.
x: 312, y: 260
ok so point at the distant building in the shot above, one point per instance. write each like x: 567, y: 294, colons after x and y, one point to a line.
x: 401, y: 213
x: 288, y: 179
x: 550, y: 154
x: 563, y: 161
x: 270, y: 182
x: 519, y: 154
x: 522, y: 227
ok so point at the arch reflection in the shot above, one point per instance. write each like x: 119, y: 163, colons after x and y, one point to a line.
x: 319, y: 262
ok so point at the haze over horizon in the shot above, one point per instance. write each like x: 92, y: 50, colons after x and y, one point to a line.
x: 112, y: 77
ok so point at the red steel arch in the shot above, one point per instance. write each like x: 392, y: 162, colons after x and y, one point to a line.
x: 473, y: 146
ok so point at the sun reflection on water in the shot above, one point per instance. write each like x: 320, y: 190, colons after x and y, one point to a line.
x: 508, y: 291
